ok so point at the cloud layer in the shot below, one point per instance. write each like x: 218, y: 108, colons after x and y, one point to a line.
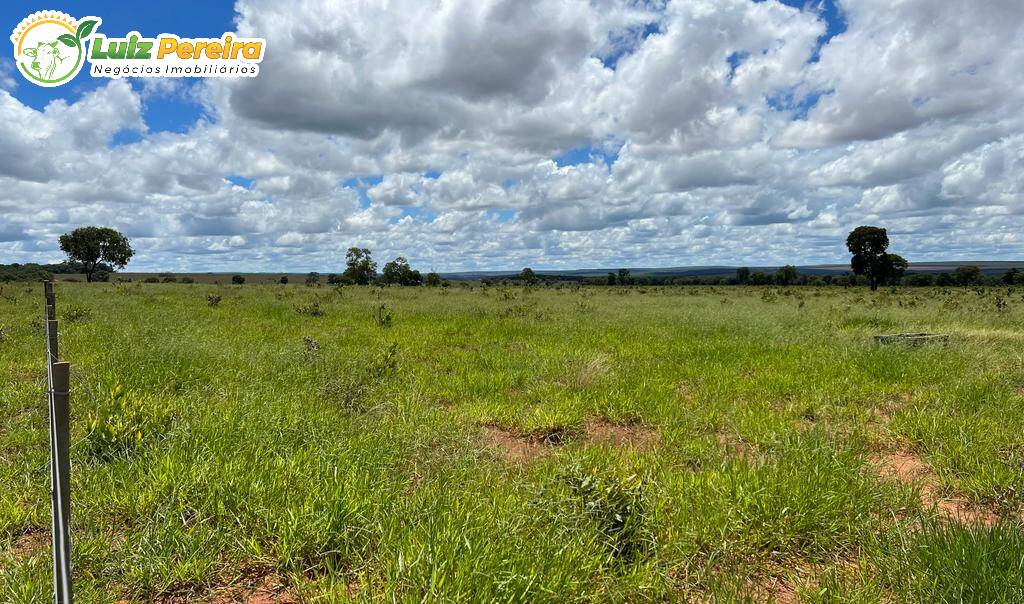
x: 486, y: 134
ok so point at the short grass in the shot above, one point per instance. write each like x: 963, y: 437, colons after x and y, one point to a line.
x: 332, y: 442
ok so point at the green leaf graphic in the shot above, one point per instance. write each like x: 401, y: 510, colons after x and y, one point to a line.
x: 68, y: 40
x: 84, y: 29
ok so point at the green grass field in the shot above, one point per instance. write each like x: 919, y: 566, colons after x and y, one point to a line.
x: 477, y: 444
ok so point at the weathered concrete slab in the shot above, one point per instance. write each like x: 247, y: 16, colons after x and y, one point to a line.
x: 913, y: 339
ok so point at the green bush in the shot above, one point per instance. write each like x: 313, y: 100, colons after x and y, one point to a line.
x: 617, y: 506
x: 123, y: 422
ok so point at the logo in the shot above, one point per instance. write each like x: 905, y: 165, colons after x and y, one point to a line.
x: 49, y: 46
x: 50, y: 49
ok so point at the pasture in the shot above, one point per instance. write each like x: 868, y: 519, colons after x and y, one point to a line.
x: 470, y: 444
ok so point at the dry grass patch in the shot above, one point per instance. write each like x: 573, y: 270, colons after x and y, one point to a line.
x: 734, y: 446
x: 594, y: 369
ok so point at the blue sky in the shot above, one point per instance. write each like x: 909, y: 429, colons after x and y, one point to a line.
x: 496, y: 134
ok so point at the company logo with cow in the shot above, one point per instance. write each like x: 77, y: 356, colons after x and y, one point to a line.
x: 49, y: 46
x: 50, y: 50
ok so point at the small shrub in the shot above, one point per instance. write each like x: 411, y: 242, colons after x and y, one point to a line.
x: 311, y: 344
x: 618, y: 507
x: 383, y: 316
x: 3, y: 333
x: 312, y: 309
x: 352, y: 390
x: 349, y: 393
x: 283, y: 280
x: 238, y: 280
x: 124, y: 422
x: 151, y: 280
x: 212, y: 300
x: 385, y: 363
x: 169, y: 280
x: 187, y: 280
x: 75, y: 314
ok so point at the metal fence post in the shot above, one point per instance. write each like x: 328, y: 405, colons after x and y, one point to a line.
x: 58, y: 378
x: 62, y: 421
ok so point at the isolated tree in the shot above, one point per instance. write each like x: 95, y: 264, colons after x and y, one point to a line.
x: 433, y: 279
x: 527, y: 276
x: 868, y: 245
x: 398, y: 272
x: 361, y: 269
x: 238, y: 280
x: 611, y: 279
x: 624, y: 278
x: 742, y: 275
x: 94, y: 245
x: 1013, y: 277
x: 786, y: 275
x: 967, y: 275
x: 312, y: 279
x: 283, y: 280
x: 395, y: 270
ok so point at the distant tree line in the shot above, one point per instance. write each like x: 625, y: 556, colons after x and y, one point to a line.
x: 785, y: 276
x: 42, y: 272
x: 96, y: 252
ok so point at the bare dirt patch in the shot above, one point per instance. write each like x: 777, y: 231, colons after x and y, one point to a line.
x: 773, y: 589
x: 780, y: 584
x: 521, y: 447
x: 34, y: 541
x: 631, y: 435
x: 910, y: 468
x: 252, y: 586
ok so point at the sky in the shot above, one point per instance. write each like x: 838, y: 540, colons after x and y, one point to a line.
x: 498, y: 134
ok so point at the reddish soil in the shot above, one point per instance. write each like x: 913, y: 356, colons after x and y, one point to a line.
x: 909, y: 468
x: 34, y: 541
x: 521, y: 447
x: 517, y: 447
x: 633, y: 436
